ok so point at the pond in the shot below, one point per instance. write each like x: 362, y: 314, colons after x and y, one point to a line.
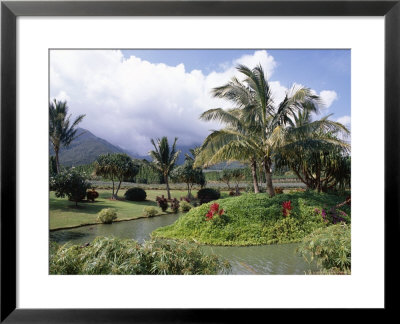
x: 264, y: 259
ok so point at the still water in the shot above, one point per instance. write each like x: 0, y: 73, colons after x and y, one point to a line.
x: 264, y: 259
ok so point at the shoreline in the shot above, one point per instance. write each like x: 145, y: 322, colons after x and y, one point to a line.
x: 116, y: 221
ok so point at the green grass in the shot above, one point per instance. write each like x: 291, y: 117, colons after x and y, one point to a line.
x: 254, y: 219
x: 63, y: 213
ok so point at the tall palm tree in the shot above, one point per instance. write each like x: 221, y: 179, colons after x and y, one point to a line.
x: 233, y: 143
x: 61, y: 131
x: 258, y: 127
x: 164, y: 158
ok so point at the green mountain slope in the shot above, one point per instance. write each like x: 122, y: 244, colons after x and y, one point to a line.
x: 85, y: 149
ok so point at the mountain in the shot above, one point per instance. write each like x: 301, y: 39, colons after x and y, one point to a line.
x: 85, y: 149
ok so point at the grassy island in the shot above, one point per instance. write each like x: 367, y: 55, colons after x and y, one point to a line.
x: 254, y: 219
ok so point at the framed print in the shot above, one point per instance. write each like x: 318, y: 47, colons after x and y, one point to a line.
x: 271, y: 177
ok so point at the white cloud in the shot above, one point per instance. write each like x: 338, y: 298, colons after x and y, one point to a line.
x: 345, y: 120
x: 328, y: 97
x: 129, y: 101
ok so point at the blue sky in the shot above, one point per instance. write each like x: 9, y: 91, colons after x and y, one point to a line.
x: 131, y: 96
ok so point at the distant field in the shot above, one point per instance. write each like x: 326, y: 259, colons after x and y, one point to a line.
x: 284, y: 183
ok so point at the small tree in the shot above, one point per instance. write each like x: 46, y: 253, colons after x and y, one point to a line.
x: 187, y: 174
x: 115, y: 167
x: 69, y: 183
x: 237, y: 176
x: 226, y: 177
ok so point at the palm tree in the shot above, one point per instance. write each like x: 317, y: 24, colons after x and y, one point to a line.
x: 61, y: 131
x: 233, y: 143
x: 314, y: 151
x: 256, y: 125
x: 164, y: 158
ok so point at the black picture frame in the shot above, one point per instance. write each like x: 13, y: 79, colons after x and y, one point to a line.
x: 10, y: 10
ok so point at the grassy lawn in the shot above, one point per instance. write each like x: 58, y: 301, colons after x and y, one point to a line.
x: 63, y: 213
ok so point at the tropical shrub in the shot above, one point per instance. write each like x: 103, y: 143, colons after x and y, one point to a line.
x: 185, y: 206
x: 330, y: 247
x: 135, y: 194
x: 107, y: 215
x: 71, y: 184
x: 150, y: 211
x: 207, y: 194
x: 175, y: 205
x: 286, y: 208
x: 252, y: 219
x: 162, y: 202
x: 127, y: 257
x: 92, y: 195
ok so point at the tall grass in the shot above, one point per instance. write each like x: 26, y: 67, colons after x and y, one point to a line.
x: 114, y: 256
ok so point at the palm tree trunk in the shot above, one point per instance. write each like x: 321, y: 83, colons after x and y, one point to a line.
x: 166, y: 182
x: 268, y: 178
x: 113, y: 196
x: 116, y: 193
x: 253, y: 166
x: 57, y: 160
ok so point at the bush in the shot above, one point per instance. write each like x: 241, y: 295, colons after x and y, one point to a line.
x: 162, y: 202
x: 127, y: 257
x: 92, y: 195
x: 207, y: 194
x: 135, y: 194
x: 70, y: 183
x: 253, y: 219
x: 278, y: 190
x: 175, y: 205
x: 185, y: 206
x: 150, y: 211
x: 107, y: 216
x: 330, y: 246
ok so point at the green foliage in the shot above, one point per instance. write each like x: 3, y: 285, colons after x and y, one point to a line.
x: 116, y: 167
x: 147, y: 173
x: 52, y: 166
x: 185, y: 206
x: 188, y: 174
x: 164, y: 158
x: 330, y: 247
x: 150, y: 211
x: 61, y: 131
x: 127, y: 257
x: 253, y: 219
x: 107, y: 215
x: 206, y: 195
x: 135, y: 194
x: 71, y: 184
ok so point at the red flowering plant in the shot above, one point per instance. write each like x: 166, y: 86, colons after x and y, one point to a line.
x: 215, y: 213
x: 286, y: 208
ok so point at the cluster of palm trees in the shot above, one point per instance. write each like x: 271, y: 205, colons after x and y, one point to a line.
x: 258, y: 131
x: 261, y: 132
